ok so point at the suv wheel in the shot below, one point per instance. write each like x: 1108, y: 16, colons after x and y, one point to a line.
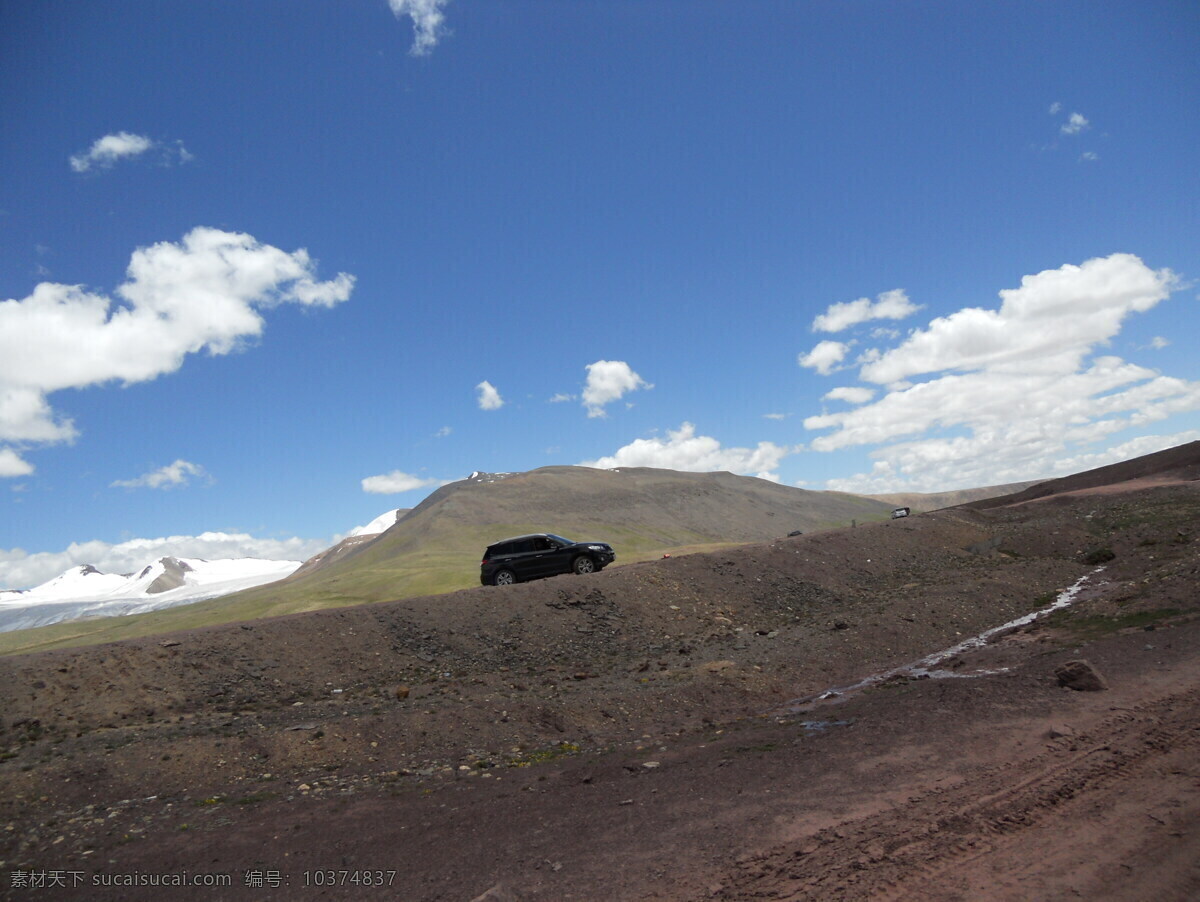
x: 584, y: 564
x: 504, y: 578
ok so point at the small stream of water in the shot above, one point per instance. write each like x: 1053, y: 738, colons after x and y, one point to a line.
x: 928, y: 666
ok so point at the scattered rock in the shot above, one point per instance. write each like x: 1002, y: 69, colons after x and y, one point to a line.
x: 1080, y: 676
x: 401, y: 693
x: 1060, y: 731
x: 1095, y: 556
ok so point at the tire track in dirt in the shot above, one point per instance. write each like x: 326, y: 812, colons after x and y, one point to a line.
x: 897, y: 854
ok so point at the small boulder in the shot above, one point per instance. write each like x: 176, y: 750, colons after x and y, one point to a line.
x: 1080, y: 676
x: 401, y: 692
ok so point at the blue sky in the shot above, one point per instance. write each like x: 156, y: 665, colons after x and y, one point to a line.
x: 270, y: 268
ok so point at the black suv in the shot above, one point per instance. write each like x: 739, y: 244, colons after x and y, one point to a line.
x: 541, y: 554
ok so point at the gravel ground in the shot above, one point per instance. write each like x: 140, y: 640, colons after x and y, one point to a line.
x: 655, y: 731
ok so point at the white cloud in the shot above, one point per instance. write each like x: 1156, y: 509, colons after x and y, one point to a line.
x: 1075, y: 124
x: 559, y: 397
x: 775, y: 416
x: 892, y: 304
x: 853, y: 394
x: 1089, y: 156
x: 175, y: 474
x: 443, y: 432
x: 1015, y: 392
x: 107, y: 151
x: 395, y: 482
x: 428, y: 21
x: 1055, y: 108
x: 1047, y: 324
x: 202, y: 294
x: 824, y: 357
x: 489, y: 398
x: 608, y: 381
x: 683, y: 450
x: 22, y: 570
x: 1158, y: 342
x: 1138, y: 447
x: 12, y: 465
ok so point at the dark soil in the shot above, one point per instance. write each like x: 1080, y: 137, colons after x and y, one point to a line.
x: 655, y: 731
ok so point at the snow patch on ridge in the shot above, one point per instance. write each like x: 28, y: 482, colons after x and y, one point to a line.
x: 382, y: 523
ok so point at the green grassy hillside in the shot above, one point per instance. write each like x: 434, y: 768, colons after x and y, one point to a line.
x: 436, y: 547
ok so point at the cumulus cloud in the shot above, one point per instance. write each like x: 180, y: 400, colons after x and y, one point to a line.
x: 608, y: 381
x: 489, y: 398
x: 175, y: 474
x: 1138, y: 447
x: 107, y: 151
x: 1010, y: 393
x: 202, y: 294
x: 23, y: 570
x: 1047, y: 324
x: 1075, y: 124
x: 428, y: 22
x: 892, y: 304
x: 12, y: 465
x: 1055, y: 108
x: 824, y: 357
x: 851, y: 393
x: 395, y: 482
x: 683, y: 450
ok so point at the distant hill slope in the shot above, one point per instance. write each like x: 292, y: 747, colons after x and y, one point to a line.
x: 1179, y: 464
x: 436, y: 546
x: 920, y: 502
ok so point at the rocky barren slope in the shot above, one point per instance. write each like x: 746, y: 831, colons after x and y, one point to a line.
x: 658, y: 731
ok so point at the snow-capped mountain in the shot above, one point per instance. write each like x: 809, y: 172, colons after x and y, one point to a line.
x: 86, y: 592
